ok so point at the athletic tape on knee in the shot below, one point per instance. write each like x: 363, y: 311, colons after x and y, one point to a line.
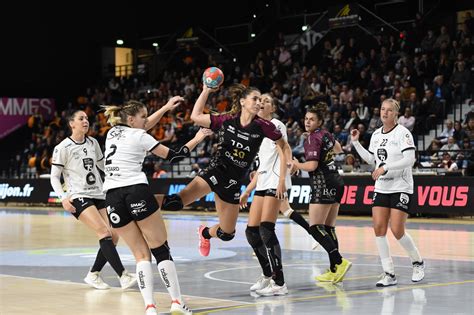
x: 225, y: 236
x: 172, y: 203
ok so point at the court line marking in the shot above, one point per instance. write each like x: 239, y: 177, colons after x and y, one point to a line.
x: 361, y: 292
x: 119, y: 289
x: 209, y: 276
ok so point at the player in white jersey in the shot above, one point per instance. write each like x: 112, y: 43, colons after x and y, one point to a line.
x: 265, y: 207
x: 78, y: 158
x: 393, y: 152
x: 131, y: 206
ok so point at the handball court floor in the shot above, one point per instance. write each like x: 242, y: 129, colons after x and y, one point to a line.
x: 45, y: 254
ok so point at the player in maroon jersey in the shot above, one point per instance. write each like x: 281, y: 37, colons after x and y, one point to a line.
x: 240, y: 133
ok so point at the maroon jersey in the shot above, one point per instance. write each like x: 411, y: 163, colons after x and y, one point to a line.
x: 238, y: 145
x: 319, y: 146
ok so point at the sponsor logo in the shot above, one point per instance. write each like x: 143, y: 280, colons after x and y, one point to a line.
x: 140, y: 204
x: 213, y: 180
x: 242, y: 136
x: 329, y: 192
x: 141, y: 281
x: 164, y: 276
x: 116, y: 133
x: 445, y: 196
x: 114, y: 218
x: 404, y: 198
x: 238, y: 163
x: 138, y: 207
x: 232, y: 182
x: 240, y: 146
x: 13, y: 191
x: 90, y: 178
x: 382, y: 154
x: 88, y: 164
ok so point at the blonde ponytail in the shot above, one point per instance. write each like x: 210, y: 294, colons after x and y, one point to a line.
x: 112, y: 113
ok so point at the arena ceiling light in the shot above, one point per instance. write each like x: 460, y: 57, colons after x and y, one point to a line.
x: 119, y: 42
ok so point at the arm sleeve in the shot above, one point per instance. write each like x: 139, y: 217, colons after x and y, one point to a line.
x: 218, y: 120
x: 364, y: 154
x: 407, y: 161
x: 55, y: 180
x: 269, y: 129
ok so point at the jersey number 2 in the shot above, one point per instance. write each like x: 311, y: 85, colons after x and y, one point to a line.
x: 108, y: 161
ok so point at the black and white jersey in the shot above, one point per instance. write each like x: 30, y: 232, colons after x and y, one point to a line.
x: 387, y: 148
x: 269, y: 162
x: 125, y: 150
x: 79, y: 167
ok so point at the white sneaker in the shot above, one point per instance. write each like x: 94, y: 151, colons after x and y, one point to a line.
x: 127, y: 280
x: 178, y: 308
x: 150, y: 309
x: 273, y: 289
x: 386, y: 280
x: 418, y: 271
x: 94, y: 280
x: 261, y: 283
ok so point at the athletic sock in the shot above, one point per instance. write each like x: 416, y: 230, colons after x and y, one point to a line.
x: 322, y: 237
x: 110, y: 253
x: 145, y: 281
x: 384, y: 253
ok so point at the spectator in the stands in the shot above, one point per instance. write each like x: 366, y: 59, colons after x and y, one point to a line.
x: 459, y: 134
x: 407, y: 120
x: 459, y: 82
x: 158, y: 171
x: 375, y: 122
x: 447, y: 163
x: 441, y: 90
x: 447, y: 132
x: 427, y: 43
x: 443, y: 37
x: 451, y: 147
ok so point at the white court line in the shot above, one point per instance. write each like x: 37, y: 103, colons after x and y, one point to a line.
x: 47, y: 280
x: 84, y: 284
x: 208, y: 275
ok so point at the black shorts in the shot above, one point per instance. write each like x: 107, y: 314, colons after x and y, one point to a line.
x: 400, y: 201
x: 268, y: 193
x: 227, y: 188
x: 326, y: 188
x: 82, y: 204
x: 130, y: 203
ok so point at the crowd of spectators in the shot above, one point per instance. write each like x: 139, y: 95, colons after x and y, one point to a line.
x: 426, y: 69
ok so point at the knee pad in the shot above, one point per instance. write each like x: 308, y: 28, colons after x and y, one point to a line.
x: 267, y: 233
x: 253, y: 236
x: 162, y: 253
x: 172, y: 203
x: 225, y: 236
